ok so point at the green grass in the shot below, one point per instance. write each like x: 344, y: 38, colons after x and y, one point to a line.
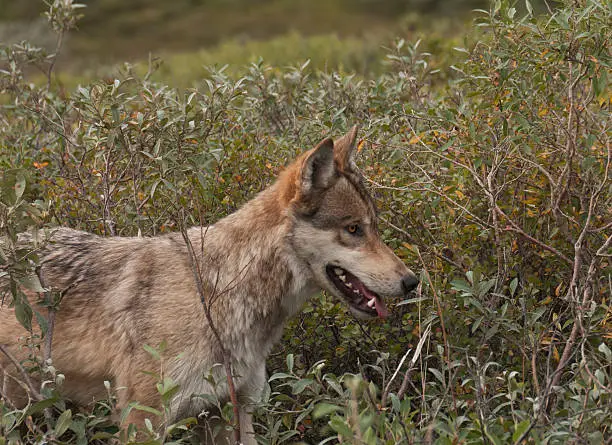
x: 364, y: 55
x: 188, y: 68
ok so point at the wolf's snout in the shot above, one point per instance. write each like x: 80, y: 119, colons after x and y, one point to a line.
x: 409, y: 282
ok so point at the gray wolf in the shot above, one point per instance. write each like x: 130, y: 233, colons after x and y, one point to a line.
x: 315, y: 228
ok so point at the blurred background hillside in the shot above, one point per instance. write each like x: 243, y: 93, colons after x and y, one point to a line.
x: 334, y: 34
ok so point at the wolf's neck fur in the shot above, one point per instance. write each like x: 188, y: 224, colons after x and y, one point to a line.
x: 251, y: 273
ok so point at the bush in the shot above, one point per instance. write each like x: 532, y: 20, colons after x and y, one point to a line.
x: 495, y: 183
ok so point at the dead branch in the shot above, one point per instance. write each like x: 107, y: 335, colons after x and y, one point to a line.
x: 24, y: 374
x: 513, y: 227
x: 442, y: 325
x: 227, y: 360
x: 415, y: 357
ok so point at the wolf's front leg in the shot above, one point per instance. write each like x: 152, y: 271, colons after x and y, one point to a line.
x: 217, y: 432
x: 247, y: 433
x: 225, y: 435
x: 249, y: 394
x: 133, y: 385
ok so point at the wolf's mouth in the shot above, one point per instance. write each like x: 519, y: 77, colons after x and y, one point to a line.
x: 356, y: 293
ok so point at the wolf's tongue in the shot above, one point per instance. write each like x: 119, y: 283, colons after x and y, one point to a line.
x: 380, y: 307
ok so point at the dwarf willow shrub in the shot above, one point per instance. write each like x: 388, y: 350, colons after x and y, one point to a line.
x: 492, y: 179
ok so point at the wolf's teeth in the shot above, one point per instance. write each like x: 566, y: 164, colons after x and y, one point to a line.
x: 342, y: 277
x: 338, y: 271
x: 371, y: 303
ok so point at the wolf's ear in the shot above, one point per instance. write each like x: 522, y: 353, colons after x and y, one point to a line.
x: 318, y: 171
x: 344, y: 149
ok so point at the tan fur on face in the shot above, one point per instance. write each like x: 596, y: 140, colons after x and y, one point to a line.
x: 259, y: 265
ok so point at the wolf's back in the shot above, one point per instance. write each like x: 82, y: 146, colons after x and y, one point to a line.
x: 70, y: 257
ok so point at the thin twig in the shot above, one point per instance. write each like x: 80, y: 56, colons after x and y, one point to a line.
x: 513, y: 227
x: 22, y: 371
x: 415, y: 357
x: 227, y: 363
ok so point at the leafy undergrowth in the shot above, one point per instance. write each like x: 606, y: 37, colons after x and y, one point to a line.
x: 492, y: 179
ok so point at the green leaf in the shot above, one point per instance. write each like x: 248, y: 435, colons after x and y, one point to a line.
x: 605, y: 350
x: 40, y: 406
x: 42, y: 322
x: 461, y: 285
x: 290, y: 362
x: 280, y: 375
x: 340, y: 426
x: 324, y: 409
x: 23, y: 312
x: 84, y: 92
x: 513, y: 286
x: 20, y: 185
x: 137, y: 406
x: 182, y: 424
x: 167, y: 389
x: 412, y: 300
x: 287, y: 435
x: 438, y: 375
x: 154, y: 353
x: 333, y: 383
x: 520, y: 429
x: 476, y: 324
x: 63, y: 422
x: 32, y: 282
x: 396, y: 403
x: 299, y: 386
x: 101, y: 435
x: 600, y: 83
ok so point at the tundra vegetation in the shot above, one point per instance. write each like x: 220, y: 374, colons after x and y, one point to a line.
x: 490, y: 160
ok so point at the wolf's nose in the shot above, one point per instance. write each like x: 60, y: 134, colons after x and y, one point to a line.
x: 409, y: 282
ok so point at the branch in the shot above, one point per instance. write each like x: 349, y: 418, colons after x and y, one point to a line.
x: 227, y: 361
x: 515, y: 228
x: 442, y: 325
x: 415, y: 357
x: 22, y: 371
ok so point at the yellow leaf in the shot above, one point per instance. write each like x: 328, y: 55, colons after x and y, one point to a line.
x: 409, y: 247
x: 414, y: 139
x: 531, y: 200
x: 459, y: 194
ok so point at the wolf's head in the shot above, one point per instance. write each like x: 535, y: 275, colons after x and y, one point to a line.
x: 335, y: 230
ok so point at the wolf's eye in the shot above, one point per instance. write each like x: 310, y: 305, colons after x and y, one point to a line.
x: 354, y: 229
